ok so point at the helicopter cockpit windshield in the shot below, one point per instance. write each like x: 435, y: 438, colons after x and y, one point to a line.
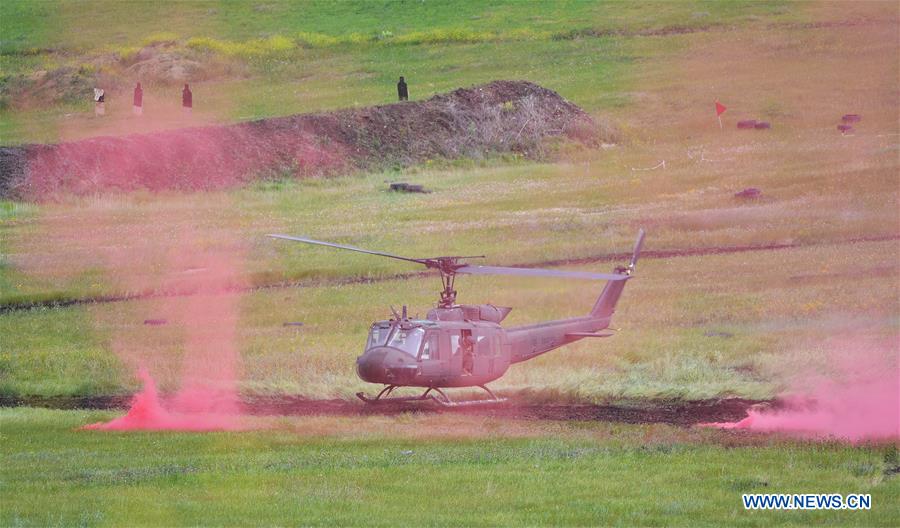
x: 407, y: 340
x: 378, y: 336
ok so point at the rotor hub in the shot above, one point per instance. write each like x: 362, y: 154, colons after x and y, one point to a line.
x: 448, y: 294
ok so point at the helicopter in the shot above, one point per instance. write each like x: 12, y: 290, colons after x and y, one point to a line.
x: 463, y: 345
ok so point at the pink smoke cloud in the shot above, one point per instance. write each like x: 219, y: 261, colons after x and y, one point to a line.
x: 858, y: 401
x: 204, y: 269
x: 148, y: 413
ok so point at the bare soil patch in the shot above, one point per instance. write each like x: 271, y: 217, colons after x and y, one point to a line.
x: 673, y: 412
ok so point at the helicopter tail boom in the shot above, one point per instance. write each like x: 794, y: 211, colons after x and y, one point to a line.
x: 533, y: 340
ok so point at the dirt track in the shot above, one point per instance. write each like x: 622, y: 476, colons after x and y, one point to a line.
x: 670, y: 412
x: 681, y: 413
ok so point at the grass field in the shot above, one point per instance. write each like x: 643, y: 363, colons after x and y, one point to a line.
x: 662, y: 350
x: 750, y: 324
x: 422, y: 470
x: 565, y: 46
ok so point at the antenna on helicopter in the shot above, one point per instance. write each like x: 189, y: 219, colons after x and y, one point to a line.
x: 449, y: 266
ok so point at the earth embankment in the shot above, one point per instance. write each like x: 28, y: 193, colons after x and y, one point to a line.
x: 498, y: 117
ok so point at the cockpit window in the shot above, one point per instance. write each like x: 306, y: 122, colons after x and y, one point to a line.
x: 377, y: 337
x: 407, y: 340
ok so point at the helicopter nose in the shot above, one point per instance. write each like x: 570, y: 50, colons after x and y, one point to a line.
x: 370, y: 365
x: 386, y: 365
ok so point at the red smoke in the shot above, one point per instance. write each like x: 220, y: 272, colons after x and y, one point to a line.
x: 202, y: 281
x: 147, y: 413
x: 189, y: 257
x: 861, y: 401
x: 210, y: 157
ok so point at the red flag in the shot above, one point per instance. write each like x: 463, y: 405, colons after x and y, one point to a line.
x: 720, y: 109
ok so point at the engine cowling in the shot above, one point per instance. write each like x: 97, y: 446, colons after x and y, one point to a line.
x: 470, y: 312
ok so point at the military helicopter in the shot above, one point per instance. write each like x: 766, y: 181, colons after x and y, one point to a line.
x: 463, y: 345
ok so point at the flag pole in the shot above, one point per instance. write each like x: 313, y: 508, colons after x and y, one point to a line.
x: 720, y: 109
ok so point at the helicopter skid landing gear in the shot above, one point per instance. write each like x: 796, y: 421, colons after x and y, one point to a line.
x: 383, y: 396
x: 439, y: 397
x: 446, y: 402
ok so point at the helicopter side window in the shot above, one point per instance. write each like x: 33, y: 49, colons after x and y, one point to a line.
x: 407, y: 340
x: 430, y: 347
x: 483, y: 346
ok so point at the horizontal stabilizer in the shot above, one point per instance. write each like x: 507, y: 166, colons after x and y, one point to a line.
x: 590, y: 334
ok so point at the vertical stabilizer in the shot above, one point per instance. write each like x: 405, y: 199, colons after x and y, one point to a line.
x: 606, y: 303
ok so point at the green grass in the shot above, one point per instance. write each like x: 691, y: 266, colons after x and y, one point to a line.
x: 291, y: 57
x: 301, y: 80
x: 569, y: 474
x: 91, y: 26
x: 63, y: 355
x: 710, y: 326
x: 520, y: 213
x: 661, y: 351
x: 819, y: 187
x: 10, y: 214
x: 585, y: 71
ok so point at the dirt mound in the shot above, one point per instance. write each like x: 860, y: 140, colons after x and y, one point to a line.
x: 156, y: 64
x: 168, y: 68
x: 501, y: 116
x: 59, y: 85
x: 163, y: 63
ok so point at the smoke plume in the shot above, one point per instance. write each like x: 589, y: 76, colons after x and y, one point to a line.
x: 858, y: 400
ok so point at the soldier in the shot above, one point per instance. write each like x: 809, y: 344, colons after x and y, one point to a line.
x: 138, y: 107
x: 402, y: 90
x: 187, y: 98
x: 468, y: 348
x: 99, y: 101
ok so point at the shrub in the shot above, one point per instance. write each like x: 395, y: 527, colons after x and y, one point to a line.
x: 316, y: 40
x: 275, y: 45
x: 279, y: 44
x: 127, y: 54
x: 357, y: 38
x: 444, y: 36
x: 206, y: 44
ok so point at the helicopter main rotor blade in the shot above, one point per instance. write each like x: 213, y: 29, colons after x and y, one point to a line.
x: 349, y: 248
x: 535, y: 272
